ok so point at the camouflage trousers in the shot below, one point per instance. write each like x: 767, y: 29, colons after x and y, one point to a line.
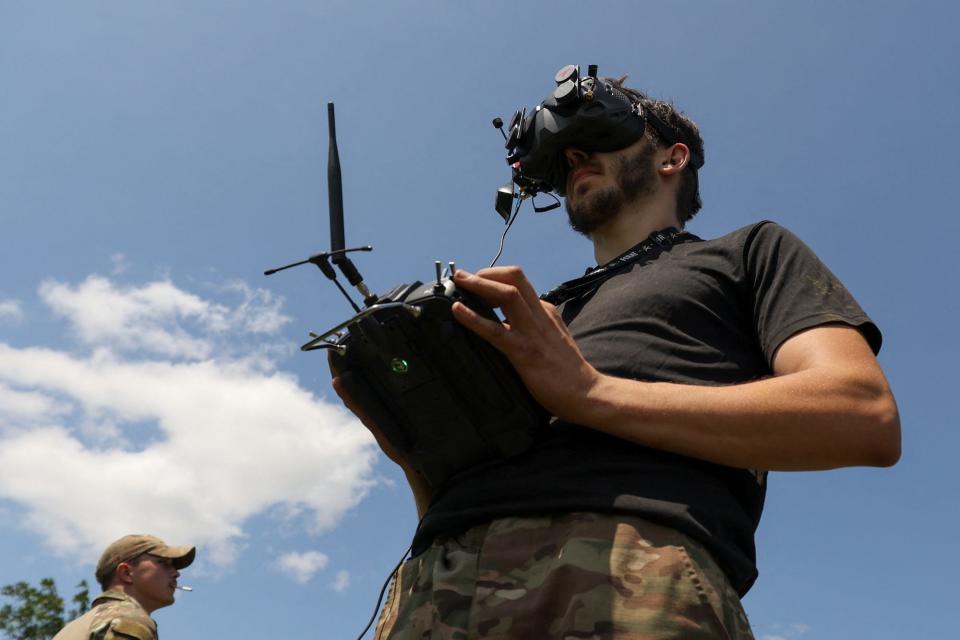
x: 580, y: 576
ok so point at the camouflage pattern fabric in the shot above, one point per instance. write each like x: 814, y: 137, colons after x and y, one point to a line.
x: 114, y: 616
x: 580, y: 576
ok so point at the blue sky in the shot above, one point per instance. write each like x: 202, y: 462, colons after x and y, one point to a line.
x: 155, y: 158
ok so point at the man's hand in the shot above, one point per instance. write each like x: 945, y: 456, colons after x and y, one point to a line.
x: 534, y: 339
x: 421, y: 492
x: 388, y: 449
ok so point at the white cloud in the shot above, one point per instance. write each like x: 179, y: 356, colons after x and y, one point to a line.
x: 146, y: 318
x: 22, y: 408
x: 786, y: 631
x: 301, y: 567
x: 11, y: 310
x: 341, y: 581
x: 100, y: 443
x: 259, y: 312
x: 120, y: 263
x: 160, y: 318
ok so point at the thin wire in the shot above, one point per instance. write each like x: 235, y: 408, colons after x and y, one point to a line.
x: 504, y: 236
x: 346, y: 295
x: 386, y: 583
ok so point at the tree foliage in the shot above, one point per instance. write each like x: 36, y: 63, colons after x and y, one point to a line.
x: 38, y: 613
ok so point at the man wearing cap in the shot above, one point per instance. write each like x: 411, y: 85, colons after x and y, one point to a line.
x: 138, y: 574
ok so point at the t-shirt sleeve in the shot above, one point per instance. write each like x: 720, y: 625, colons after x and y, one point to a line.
x: 793, y: 290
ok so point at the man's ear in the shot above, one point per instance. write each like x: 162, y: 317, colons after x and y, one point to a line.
x: 674, y: 159
x: 124, y: 573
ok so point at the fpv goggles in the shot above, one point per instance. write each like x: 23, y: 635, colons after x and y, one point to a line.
x: 582, y: 112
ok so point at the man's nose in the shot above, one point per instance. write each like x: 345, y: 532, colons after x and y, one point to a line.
x: 574, y: 156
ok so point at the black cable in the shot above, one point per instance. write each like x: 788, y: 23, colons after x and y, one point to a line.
x: 386, y: 583
x: 504, y: 236
x: 346, y: 295
x: 383, y: 589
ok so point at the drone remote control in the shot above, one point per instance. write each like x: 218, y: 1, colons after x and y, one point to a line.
x: 441, y: 395
x: 445, y: 398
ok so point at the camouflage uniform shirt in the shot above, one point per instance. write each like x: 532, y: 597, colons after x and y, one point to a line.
x: 114, y: 615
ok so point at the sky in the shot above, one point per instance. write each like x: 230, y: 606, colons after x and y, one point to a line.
x: 157, y: 157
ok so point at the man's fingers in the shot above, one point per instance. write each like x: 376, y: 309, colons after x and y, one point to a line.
x: 506, y: 295
x: 515, y: 277
x: 496, y: 333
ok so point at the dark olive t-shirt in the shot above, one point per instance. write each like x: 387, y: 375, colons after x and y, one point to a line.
x: 705, y: 312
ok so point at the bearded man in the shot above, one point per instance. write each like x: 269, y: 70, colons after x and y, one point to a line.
x: 678, y: 373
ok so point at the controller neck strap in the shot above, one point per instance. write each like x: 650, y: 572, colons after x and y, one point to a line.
x: 595, y: 276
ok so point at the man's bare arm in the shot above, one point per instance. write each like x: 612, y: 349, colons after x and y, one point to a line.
x: 827, y: 405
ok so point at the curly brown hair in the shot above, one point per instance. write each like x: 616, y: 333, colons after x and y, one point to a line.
x: 686, y: 130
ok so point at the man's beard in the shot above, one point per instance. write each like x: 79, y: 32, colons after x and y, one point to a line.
x: 634, y: 177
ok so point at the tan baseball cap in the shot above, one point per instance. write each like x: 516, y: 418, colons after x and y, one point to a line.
x: 129, y: 547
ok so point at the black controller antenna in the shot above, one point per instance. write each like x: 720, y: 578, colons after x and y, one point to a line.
x: 337, y: 253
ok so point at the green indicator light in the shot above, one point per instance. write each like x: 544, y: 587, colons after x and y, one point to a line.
x: 399, y: 365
